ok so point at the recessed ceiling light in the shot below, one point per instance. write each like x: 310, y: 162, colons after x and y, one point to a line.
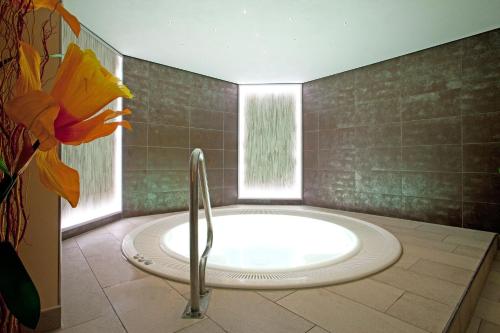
x: 290, y: 19
x: 244, y: 11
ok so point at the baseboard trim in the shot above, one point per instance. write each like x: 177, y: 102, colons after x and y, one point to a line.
x: 82, y: 228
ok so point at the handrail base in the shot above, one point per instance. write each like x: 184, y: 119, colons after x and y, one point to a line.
x: 204, y: 299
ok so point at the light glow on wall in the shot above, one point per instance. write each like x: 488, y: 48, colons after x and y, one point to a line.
x: 99, y: 162
x: 262, y: 96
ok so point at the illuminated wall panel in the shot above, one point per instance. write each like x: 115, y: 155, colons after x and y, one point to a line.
x: 270, y: 142
x: 98, y: 162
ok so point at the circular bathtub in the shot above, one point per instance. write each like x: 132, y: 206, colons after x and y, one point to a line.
x: 266, y: 248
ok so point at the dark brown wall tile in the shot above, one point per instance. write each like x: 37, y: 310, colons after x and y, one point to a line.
x: 337, y: 159
x: 230, y: 195
x: 446, y: 186
x: 424, y: 127
x: 379, y: 204
x: 378, y: 159
x: 338, y: 138
x: 483, y: 216
x: 310, y: 159
x: 482, y: 187
x: 430, y: 105
x: 446, y: 212
x: 215, y: 178
x: 482, y: 128
x: 230, y: 159
x: 386, y: 135
x: 311, y: 140
x: 230, y: 122
x: 381, y: 182
x: 175, y: 111
x: 168, y: 114
x: 482, y: 157
x: 432, y: 132
x: 433, y: 158
x: 135, y: 181
x: 137, y: 136
x: 206, y: 139
x: 206, y: 119
x: 168, y: 158
x: 480, y: 97
x: 377, y: 112
x: 230, y: 178
x: 231, y: 140
x: 134, y: 158
x: 168, y: 136
x: 167, y: 181
x: 310, y: 121
x: 214, y: 158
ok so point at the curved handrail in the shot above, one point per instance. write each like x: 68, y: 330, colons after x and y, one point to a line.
x: 197, y: 173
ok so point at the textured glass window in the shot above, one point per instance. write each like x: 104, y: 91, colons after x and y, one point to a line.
x: 270, y: 142
x: 98, y: 162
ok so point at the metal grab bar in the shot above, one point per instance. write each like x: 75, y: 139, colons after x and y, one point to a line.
x: 199, y: 293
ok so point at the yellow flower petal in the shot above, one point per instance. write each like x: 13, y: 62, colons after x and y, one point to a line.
x: 29, y: 67
x: 67, y: 16
x: 58, y: 177
x: 83, y: 87
x: 91, y: 129
x: 37, y: 111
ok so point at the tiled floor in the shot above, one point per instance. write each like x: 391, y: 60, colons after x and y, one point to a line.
x: 101, y: 292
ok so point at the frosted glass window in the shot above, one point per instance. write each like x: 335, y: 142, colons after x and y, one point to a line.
x: 99, y: 162
x: 270, y: 141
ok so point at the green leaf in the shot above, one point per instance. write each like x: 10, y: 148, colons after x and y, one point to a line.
x: 3, y: 167
x: 16, y: 287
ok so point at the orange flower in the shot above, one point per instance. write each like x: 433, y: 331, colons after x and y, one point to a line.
x: 69, y: 114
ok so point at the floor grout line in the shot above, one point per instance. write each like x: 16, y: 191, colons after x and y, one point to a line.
x: 102, y: 289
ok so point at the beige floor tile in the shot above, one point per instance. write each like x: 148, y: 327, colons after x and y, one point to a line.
x: 435, y: 289
x: 107, y: 324
x: 204, y: 326
x: 441, y: 271
x: 415, y: 233
x: 317, y: 329
x: 339, y: 314
x: 97, y: 243
x: 473, y: 325
x: 377, y: 295
x: 182, y: 288
x: 487, y: 327
x: 82, y: 298
x: 488, y: 310
x: 422, y: 312
x: 275, y: 295
x: 447, y: 230
x: 383, y: 220
x: 148, y: 305
x: 447, y: 258
x: 469, y: 251
x: 246, y: 311
x: 429, y: 244
x: 112, y: 268
x: 470, y: 241
x: 406, y: 260
x: 69, y: 243
x: 120, y: 228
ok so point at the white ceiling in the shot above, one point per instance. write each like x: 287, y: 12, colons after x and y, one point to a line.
x: 280, y: 41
